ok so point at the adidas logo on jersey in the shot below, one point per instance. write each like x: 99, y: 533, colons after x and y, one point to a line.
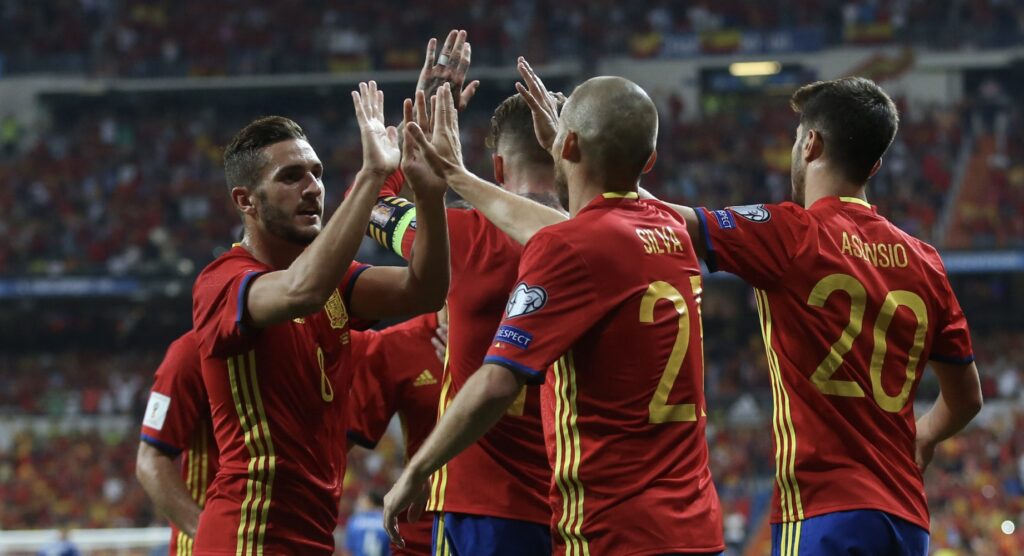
x: 425, y: 379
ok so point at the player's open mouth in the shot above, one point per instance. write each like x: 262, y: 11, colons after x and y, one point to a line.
x: 312, y: 214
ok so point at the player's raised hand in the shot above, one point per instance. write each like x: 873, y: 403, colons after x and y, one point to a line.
x: 443, y: 150
x: 380, y: 142
x: 543, y: 104
x: 408, y: 493
x: 450, y: 67
x: 421, y: 177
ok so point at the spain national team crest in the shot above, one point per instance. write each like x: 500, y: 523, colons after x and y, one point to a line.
x: 335, y: 309
x: 754, y: 213
x: 525, y: 299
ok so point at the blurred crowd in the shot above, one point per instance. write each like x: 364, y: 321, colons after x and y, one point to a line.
x: 139, y: 191
x: 165, y: 38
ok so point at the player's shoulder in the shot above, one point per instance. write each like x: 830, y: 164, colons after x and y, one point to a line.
x: 927, y: 253
x: 233, y: 260
x: 187, y: 343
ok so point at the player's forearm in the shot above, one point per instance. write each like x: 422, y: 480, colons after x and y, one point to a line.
x: 429, y: 263
x: 520, y: 218
x: 944, y: 420
x: 314, y: 274
x: 160, y: 478
x: 485, y: 397
x: 959, y: 400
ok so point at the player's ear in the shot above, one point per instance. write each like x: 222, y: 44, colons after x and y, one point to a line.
x: 875, y: 168
x: 499, y: 168
x: 243, y: 200
x: 814, y: 146
x: 650, y: 162
x: 571, y: 147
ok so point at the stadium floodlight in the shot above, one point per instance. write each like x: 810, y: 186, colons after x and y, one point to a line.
x: 750, y: 69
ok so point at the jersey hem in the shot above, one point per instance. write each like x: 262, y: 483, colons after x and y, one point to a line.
x: 915, y: 520
x: 674, y: 550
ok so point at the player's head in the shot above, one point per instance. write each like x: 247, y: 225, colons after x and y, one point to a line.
x: 274, y: 178
x: 609, y: 127
x: 847, y: 123
x: 518, y: 157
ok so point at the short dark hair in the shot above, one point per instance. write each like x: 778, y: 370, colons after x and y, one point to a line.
x: 512, y: 123
x: 243, y: 157
x: 856, y: 118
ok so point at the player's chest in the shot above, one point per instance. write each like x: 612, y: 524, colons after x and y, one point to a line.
x: 321, y: 352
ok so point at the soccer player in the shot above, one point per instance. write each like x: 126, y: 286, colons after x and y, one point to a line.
x: 509, y: 464
x: 177, y: 422
x: 606, y: 314
x: 397, y: 371
x: 272, y: 316
x: 850, y: 308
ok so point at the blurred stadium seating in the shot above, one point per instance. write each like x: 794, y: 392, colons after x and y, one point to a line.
x: 112, y: 198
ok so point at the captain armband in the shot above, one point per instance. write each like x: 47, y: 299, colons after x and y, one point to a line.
x: 390, y: 219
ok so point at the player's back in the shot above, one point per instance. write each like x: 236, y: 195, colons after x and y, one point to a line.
x: 509, y: 461
x: 856, y: 310
x: 624, y: 410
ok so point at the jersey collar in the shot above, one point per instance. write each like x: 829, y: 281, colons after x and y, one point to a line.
x: 843, y: 203
x: 610, y: 198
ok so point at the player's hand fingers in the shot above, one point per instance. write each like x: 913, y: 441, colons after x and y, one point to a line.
x: 428, y: 60
x: 446, y: 50
x: 422, y: 116
x: 418, y: 505
x: 467, y: 94
x: 407, y: 113
x: 357, y: 103
x: 439, y: 348
x: 455, y: 62
x: 391, y: 526
x: 464, y: 60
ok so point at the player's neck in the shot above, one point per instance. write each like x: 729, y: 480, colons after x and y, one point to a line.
x: 270, y: 250
x: 583, y: 190
x: 825, y: 184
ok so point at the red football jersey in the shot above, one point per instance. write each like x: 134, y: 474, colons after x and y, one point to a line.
x: 280, y: 429
x: 177, y: 421
x: 611, y: 299
x: 851, y: 308
x: 397, y: 371
x: 508, y: 462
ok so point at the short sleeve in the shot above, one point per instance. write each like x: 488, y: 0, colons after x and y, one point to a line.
x: 219, y: 307
x: 952, y: 343
x: 177, y: 400
x: 372, y: 402
x: 348, y: 282
x: 550, y: 307
x: 756, y: 242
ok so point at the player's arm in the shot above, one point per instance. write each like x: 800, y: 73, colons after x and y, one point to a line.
x: 480, y: 403
x: 160, y: 477
x: 959, y: 401
x: 304, y: 287
x: 422, y: 286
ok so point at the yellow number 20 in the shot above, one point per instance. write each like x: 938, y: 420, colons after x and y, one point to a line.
x: 822, y: 377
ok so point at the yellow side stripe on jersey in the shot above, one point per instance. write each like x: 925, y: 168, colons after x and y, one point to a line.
x: 567, y: 458
x: 262, y: 461
x: 204, y: 481
x: 439, y: 480
x: 782, y: 422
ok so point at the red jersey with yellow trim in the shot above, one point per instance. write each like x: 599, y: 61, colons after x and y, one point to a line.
x: 508, y: 463
x: 851, y: 308
x: 610, y: 299
x: 177, y: 421
x: 397, y: 371
x: 278, y: 399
